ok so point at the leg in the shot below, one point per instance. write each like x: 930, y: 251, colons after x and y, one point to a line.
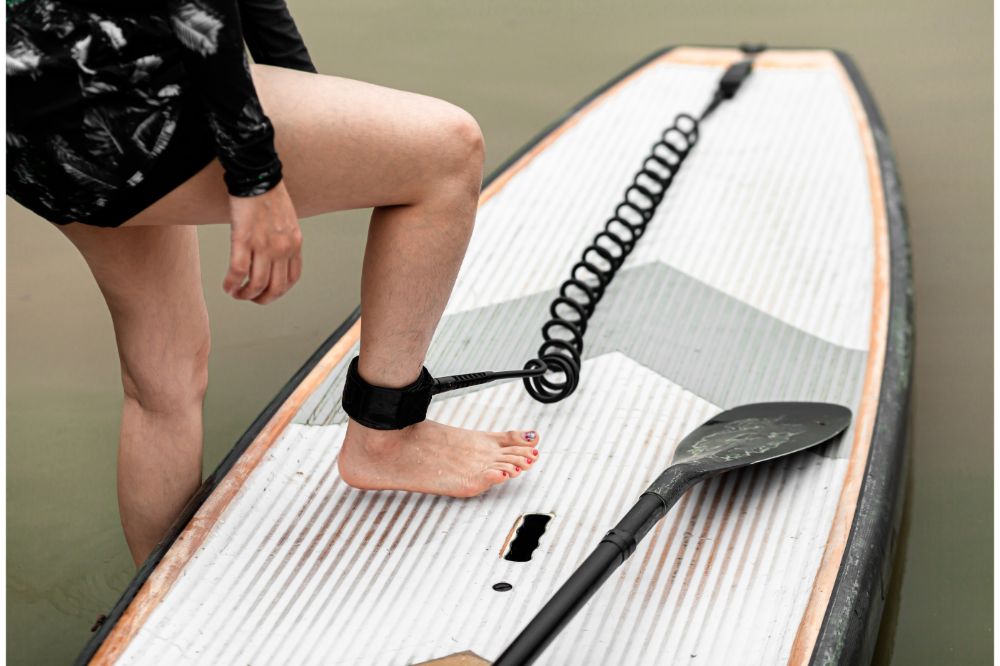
x: 151, y: 281
x: 418, y: 161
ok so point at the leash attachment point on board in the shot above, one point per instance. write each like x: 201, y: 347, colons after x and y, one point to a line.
x: 733, y: 78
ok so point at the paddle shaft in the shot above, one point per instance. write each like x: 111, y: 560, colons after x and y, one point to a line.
x: 616, y: 547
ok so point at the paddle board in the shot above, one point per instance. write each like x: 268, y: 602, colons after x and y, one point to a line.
x: 776, y: 268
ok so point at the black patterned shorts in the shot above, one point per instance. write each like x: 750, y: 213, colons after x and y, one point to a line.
x: 100, y: 121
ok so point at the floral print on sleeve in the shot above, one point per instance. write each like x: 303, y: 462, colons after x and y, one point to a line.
x: 213, y: 53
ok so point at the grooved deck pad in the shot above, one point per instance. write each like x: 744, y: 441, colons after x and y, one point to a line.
x: 761, y: 277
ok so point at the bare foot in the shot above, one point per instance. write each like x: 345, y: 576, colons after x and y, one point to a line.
x: 430, y: 457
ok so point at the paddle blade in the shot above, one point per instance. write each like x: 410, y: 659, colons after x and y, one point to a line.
x: 753, y: 433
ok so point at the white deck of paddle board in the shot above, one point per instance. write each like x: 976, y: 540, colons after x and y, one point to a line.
x: 754, y: 282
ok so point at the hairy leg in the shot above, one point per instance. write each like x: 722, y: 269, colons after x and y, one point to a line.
x: 418, y: 162
x: 151, y: 280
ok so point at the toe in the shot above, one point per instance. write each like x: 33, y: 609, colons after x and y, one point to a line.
x: 494, y: 476
x: 521, y: 438
x: 520, y: 452
x: 518, y: 461
x: 509, y: 469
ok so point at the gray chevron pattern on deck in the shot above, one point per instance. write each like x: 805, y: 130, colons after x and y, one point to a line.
x: 712, y: 344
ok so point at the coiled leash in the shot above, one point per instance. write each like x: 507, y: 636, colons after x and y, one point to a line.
x: 394, y: 408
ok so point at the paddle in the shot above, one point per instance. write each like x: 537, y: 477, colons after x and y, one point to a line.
x: 736, y: 438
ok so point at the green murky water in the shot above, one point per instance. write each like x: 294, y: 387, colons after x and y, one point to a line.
x: 517, y: 66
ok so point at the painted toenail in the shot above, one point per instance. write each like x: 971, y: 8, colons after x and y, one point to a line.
x: 530, y: 435
x: 529, y: 460
x: 505, y: 473
x: 518, y: 469
x: 535, y: 451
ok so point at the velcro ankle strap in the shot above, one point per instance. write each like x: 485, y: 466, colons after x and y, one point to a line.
x: 386, y: 408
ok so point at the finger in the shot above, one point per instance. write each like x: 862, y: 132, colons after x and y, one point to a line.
x: 278, y: 284
x: 260, y: 276
x: 239, y: 265
x: 294, y: 269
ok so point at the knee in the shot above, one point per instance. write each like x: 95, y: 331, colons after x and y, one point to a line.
x: 169, y: 380
x: 462, y: 149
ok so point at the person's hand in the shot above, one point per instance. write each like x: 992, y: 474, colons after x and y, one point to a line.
x: 266, y: 246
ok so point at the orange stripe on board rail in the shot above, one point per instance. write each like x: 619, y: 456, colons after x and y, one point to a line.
x: 836, y: 543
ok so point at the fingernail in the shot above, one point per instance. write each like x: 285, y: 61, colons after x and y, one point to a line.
x: 530, y: 435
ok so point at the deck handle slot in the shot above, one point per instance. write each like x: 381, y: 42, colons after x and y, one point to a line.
x: 527, y: 536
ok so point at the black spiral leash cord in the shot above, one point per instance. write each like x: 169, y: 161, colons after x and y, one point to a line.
x: 555, y: 373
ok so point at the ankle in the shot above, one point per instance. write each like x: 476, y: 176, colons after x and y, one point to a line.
x: 373, y: 441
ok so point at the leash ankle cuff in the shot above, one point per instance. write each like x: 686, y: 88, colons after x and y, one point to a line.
x: 386, y: 408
